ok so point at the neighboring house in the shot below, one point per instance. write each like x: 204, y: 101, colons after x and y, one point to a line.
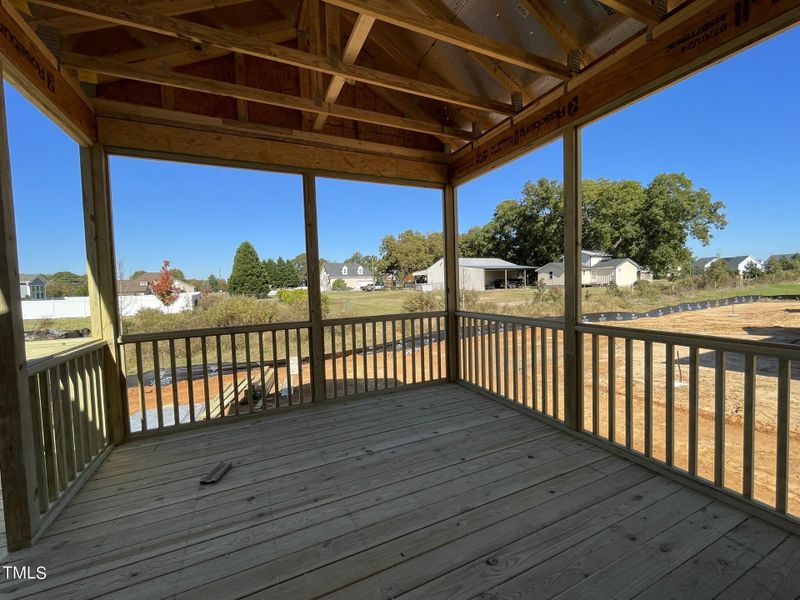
x: 141, y: 285
x: 354, y: 275
x: 32, y: 287
x: 598, y: 269
x: 477, y: 274
x: 734, y: 264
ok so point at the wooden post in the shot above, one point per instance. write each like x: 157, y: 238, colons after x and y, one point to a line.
x: 101, y: 276
x: 573, y: 352
x: 451, y: 279
x: 17, y: 451
x: 317, y: 347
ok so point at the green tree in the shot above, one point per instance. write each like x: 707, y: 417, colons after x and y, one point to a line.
x: 177, y: 274
x: 410, y: 251
x: 299, y: 263
x: 214, y: 283
x: 474, y: 243
x: 752, y: 271
x: 339, y: 285
x: 271, y: 273
x: 611, y: 220
x: 66, y: 283
x: 717, y: 273
x: 247, y: 275
x: 136, y: 274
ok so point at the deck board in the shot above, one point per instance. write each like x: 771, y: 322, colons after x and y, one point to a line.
x: 430, y: 493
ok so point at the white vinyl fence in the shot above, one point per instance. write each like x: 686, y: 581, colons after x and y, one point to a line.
x: 78, y: 306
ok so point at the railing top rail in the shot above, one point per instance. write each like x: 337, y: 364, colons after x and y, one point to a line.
x: 37, y: 365
x: 159, y: 336
x: 708, y: 342
x: 551, y: 323
x: 381, y: 318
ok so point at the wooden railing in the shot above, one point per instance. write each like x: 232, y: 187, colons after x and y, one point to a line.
x: 177, y: 379
x: 714, y: 409
x: 514, y: 358
x: 69, y: 418
x: 365, y: 354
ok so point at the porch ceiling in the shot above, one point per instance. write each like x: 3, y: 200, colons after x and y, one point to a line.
x: 419, y: 75
x: 428, y: 493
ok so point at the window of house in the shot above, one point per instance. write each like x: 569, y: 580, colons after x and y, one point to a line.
x: 37, y: 291
x: 360, y: 270
x: 344, y: 270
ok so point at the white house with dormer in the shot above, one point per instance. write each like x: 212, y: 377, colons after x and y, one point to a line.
x: 354, y: 275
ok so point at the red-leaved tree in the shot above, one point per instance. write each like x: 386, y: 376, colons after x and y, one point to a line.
x: 164, y: 289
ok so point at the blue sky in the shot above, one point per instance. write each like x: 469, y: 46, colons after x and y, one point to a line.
x: 733, y: 129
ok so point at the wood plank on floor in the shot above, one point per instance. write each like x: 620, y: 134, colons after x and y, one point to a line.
x: 430, y: 493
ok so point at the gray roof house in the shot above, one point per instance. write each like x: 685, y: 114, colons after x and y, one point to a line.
x: 32, y: 287
x: 734, y: 264
x: 353, y: 274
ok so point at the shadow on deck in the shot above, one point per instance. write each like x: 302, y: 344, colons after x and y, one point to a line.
x: 436, y: 492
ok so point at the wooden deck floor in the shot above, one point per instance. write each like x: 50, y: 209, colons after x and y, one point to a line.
x: 424, y: 494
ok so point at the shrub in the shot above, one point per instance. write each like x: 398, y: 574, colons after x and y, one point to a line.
x: 543, y: 293
x: 469, y: 299
x: 422, y: 302
x: 292, y: 297
x: 240, y: 310
x: 339, y: 285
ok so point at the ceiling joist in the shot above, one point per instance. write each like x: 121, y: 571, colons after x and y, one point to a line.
x: 640, y: 10
x: 353, y: 46
x: 241, y: 92
x: 118, y: 12
x: 458, y: 36
x: 558, y: 28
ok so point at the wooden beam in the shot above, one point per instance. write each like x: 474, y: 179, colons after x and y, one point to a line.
x: 450, y: 210
x: 72, y: 24
x: 316, y: 337
x: 309, y: 40
x: 17, y: 450
x: 411, y: 109
x: 640, y: 10
x: 355, y: 42
x: 114, y: 11
x: 692, y: 38
x: 232, y: 90
x: 573, y: 355
x: 219, y: 148
x: 101, y: 277
x: 150, y: 114
x: 30, y: 66
x: 495, y: 69
x: 557, y: 27
x: 458, y: 36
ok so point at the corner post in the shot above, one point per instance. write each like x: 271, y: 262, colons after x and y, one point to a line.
x: 101, y: 279
x: 316, y: 341
x: 573, y: 347
x: 451, y: 279
x: 17, y: 450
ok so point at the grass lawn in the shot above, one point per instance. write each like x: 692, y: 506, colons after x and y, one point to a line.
x: 67, y: 323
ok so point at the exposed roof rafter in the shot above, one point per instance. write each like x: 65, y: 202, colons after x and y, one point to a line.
x: 458, y: 36
x: 557, y: 27
x: 640, y: 10
x: 118, y: 12
x: 232, y: 90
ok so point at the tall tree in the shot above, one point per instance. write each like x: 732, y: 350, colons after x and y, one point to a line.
x: 410, y: 251
x: 474, y: 243
x: 247, y: 275
x: 164, y: 288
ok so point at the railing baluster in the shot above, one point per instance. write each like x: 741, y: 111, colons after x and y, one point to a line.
x: 748, y: 442
x: 288, y: 366
x: 206, y: 387
x: 430, y: 350
x: 405, y: 359
x: 385, y: 353
x: 524, y: 349
x: 629, y: 393
x: 694, y: 384
x: 648, y: 398
x: 189, y: 379
x: 250, y: 393
x: 612, y: 389
x: 300, y: 366
x: 394, y: 353
x: 719, y: 418
x: 364, y: 359
x: 355, y: 358
x: 595, y: 383
x: 535, y: 401
x: 334, y: 360
x: 276, y: 376
x: 558, y: 412
x: 79, y: 373
x: 66, y: 421
x: 669, y: 405
x: 235, y: 375
x: 414, y: 352
x: 220, y: 378
x: 344, y: 361
x: 58, y: 429
x: 174, y: 375
x: 782, y: 452
x: 261, y: 370
x: 543, y: 355
x: 515, y: 362
x: 140, y: 385
x: 38, y: 442
x: 469, y: 334
x: 97, y: 376
x: 48, y: 441
x: 157, y: 383
x: 374, y: 357
x: 505, y: 362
